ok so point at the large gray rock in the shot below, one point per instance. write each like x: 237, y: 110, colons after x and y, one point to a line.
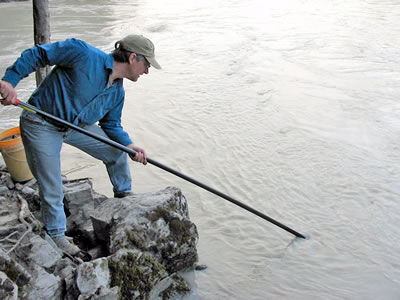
x: 79, y: 203
x: 128, y: 274
x: 156, y: 223
x: 41, y: 252
x: 93, y: 276
x: 44, y: 286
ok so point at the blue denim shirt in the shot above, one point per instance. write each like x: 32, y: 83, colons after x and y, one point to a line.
x: 75, y: 89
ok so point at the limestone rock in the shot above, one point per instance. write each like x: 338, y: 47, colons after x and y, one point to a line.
x: 18, y: 186
x: 9, y: 182
x: 45, y: 285
x: 41, y: 252
x: 28, y: 190
x: 31, y: 183
x: 98, y: 198
x: 78, y: 200
x: 177, y: 288
x: 3, y: 189
x: 131, y: 274
x: 157, y: 223
x: 91, y: 276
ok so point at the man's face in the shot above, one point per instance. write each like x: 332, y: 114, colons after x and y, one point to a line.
x: 137, y: 68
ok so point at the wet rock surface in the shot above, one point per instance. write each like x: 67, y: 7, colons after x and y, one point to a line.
x: 159, y: 225
x: 132, y: 248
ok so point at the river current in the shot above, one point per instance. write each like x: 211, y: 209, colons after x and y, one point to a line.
x: 292, y: 107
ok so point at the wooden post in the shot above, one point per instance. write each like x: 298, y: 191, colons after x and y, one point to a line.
x: 41, y: 31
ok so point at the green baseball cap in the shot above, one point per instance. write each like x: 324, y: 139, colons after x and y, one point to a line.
x: 139, y: 45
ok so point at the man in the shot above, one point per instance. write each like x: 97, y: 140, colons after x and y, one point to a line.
x: 84, y: 87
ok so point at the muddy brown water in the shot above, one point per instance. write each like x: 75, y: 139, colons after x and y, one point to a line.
x: 289, y: 106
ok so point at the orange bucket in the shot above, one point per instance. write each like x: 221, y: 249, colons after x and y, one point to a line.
x: 13, y: 152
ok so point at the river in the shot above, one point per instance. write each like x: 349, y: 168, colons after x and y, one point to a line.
x: 292, y: 107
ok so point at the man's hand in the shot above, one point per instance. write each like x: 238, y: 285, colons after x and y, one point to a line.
x: 7, y: 93
x: 140, y: 154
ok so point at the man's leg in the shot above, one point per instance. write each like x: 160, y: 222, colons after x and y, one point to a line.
x: 42, y: 143
x: 116, y: 161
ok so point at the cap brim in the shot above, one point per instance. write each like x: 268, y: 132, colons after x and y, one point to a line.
x: 153, y: 62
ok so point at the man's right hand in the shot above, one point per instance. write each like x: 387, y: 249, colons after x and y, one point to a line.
x: 7, y: 93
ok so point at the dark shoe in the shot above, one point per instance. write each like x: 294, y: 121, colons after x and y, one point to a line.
x: 66, y: 246
x: 122, y: 194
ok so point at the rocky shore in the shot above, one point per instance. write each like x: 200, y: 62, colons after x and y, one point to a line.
x: 132, y: 248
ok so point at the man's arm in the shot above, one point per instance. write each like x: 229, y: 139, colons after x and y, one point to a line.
x: 111, y: 124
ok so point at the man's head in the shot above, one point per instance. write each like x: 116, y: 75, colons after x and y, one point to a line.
x: 141, y: 46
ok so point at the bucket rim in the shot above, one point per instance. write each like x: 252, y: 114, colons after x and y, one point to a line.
x: 12, y: 142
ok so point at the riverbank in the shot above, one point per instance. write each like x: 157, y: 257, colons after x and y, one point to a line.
x: 135, y: 247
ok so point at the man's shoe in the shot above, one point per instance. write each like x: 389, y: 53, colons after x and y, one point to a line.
x: 122, y: 194
x: 66, y: 246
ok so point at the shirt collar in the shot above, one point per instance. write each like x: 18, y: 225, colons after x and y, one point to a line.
x: 109, y: 62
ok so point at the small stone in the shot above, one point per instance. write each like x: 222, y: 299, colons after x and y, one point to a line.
x: 10, y: 183
x: 30, y: 182
x: 67, y: 272
x: 200, y: 267
x: 28, y: 190
x: 3, y: 189
x: 19, y: 187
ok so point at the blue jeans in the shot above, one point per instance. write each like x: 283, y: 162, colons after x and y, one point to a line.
x: 43, y: 141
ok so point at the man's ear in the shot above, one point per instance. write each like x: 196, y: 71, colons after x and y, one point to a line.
x: 132, y: 57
